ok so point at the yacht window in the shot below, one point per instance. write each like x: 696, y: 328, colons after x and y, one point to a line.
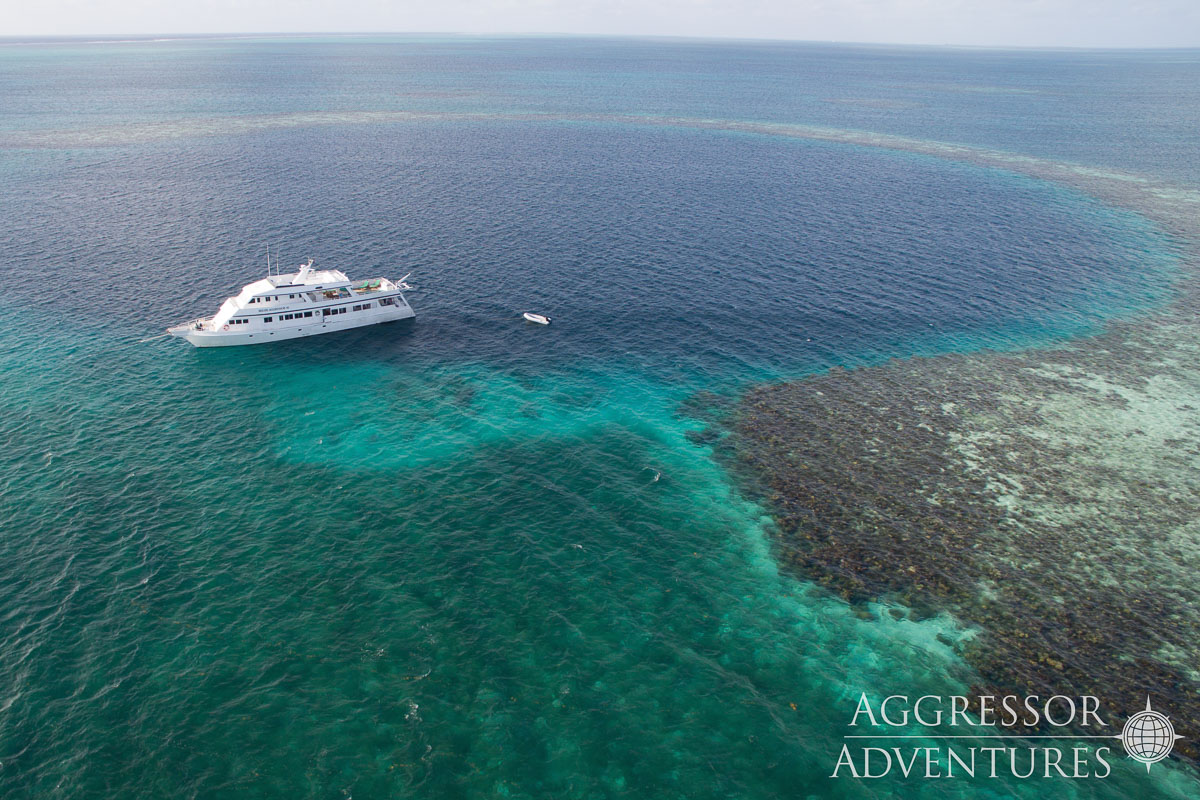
x: 308, y: 313
x: 366, y: 306
x: 266, y: 319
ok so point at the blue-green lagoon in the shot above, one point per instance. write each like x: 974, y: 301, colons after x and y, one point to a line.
x: 462, y: 556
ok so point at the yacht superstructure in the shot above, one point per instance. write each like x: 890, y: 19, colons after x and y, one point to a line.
x: 303, y: 303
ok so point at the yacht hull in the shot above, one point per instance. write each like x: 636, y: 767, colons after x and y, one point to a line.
x: 288, y: 330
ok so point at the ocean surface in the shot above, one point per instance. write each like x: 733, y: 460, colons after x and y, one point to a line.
x: 463, y: 556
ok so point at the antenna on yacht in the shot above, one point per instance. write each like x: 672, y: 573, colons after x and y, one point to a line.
x: 268, y: 260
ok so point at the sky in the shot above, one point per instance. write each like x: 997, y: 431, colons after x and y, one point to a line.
x: 1016, y: 23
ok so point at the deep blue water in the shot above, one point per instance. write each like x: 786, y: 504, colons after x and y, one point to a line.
x: 432, y: 559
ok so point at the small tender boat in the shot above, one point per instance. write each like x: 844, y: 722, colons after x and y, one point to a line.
x: 303, y: 303
x: 538, y: 318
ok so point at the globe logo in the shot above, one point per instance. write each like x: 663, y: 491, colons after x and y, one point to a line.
x: 1148, y: 736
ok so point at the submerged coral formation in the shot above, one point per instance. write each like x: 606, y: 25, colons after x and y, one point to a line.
x: 1050, y: 497
x: 1041, y: 497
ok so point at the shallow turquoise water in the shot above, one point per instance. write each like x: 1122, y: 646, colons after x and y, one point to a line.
x: 462, y: 556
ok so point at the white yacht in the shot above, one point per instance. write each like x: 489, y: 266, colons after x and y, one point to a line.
x: 302, y: 303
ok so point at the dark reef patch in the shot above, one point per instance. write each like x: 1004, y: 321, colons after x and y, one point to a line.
x: 1032, y: 495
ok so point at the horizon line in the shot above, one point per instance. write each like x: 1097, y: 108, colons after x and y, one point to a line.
x: 132, y: 38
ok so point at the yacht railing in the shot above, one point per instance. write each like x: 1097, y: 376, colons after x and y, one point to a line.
x: 197, y: 324
x: 378, y: 284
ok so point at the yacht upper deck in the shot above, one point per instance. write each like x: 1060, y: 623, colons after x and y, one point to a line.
x: 306, y: 279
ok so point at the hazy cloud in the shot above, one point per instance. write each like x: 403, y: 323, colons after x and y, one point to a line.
x: 1075, y: 23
